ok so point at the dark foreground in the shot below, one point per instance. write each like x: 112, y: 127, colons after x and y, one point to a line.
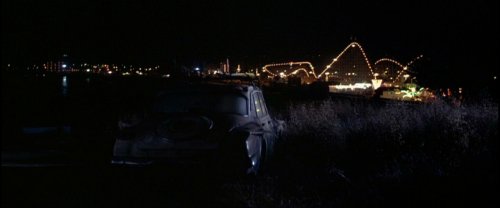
x: 338, y: 152
x: 113, y: 187
x: 118, y: 187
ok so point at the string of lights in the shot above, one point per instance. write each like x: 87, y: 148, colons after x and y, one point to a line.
x: 405, y: 68
x: 291, y: 64
x: 353, y: 45
x: 335, y: 60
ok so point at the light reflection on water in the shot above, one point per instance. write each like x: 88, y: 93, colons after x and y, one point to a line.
x: 64, y: 86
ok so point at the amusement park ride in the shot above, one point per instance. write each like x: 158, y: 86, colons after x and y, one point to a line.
x: 351, y: 72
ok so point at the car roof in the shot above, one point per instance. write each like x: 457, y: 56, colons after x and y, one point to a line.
x: 211, y: 87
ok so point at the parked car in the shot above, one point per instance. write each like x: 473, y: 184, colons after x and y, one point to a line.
x: 216, y: 124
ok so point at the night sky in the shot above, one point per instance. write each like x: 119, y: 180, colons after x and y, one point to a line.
x: 455, y: 38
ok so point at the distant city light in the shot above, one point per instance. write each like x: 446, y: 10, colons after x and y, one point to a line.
x: 64, y: 66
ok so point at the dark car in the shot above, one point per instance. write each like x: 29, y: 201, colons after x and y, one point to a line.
x: 215, y: 124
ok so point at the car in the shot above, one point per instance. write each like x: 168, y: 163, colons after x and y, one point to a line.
x: 219, y: 124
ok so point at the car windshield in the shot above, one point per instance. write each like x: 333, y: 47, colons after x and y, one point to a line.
x: 230, y: 103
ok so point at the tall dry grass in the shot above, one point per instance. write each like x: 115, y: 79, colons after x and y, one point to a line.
x: 348, y: 153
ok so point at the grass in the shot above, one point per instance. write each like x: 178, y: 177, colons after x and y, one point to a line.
x: 356, y: 153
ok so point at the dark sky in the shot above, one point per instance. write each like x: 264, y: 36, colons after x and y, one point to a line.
x: 453, y: 36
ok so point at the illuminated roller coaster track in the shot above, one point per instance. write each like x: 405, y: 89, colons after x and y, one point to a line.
x: 299, y: 63
x: 353, y: 45
x: 403, y: 67
x: 335, y: 60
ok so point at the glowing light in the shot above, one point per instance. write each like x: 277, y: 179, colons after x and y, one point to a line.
x: 363, y: 86
x: 376, y: 83
x: 64, y: 66
x: 197, y: 69
x: 403, y: 67
x: 64, y: 82
x: 412, y: 93
x: 336, y: 59
x: 353, y: 45
x: 389, y: 60
x: 265, y: 68
x: 88, y: 70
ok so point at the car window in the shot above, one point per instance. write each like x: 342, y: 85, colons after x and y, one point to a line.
x: 260, y: 107
x: 255, y: 99
x: 231, y: 103
x: 262, y: 104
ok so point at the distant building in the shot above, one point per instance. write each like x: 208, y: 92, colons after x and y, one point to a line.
x: 63, y: 64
